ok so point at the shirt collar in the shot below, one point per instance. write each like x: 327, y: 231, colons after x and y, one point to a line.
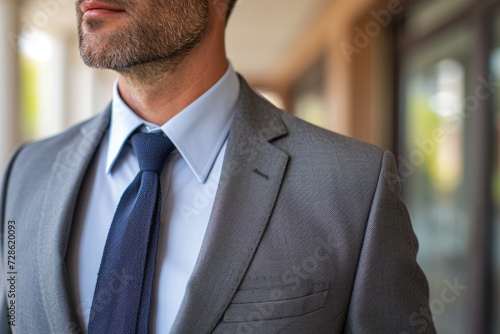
x: 198, y: 132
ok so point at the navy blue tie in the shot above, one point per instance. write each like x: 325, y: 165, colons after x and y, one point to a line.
x: 124, y: 289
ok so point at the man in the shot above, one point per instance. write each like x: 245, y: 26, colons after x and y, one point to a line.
x: 192, y: 205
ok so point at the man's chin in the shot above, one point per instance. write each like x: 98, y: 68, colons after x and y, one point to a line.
x: 100, y: 64
x: 97, y: 53
x: 102, y: 61
x: 97, y: 60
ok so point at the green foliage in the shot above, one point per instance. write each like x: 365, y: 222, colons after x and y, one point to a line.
x: 29, y: 97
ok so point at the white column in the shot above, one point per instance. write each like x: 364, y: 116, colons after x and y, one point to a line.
x: 91, y: 91
x: 103, y: 90
x: 10, y: 132
x: 81, y: 93
x: 52, y: 88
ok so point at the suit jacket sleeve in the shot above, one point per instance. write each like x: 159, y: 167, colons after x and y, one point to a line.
x: 390, y: 292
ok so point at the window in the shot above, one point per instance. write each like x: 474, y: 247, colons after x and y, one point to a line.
x: 495, y: 69
x: 449, y: 163
x: 433, y: 167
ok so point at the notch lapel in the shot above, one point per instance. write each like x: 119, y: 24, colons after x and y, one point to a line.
x: 250, y: 181
x: 58, y: 208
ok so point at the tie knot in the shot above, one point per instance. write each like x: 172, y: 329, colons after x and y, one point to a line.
x: 152, y: 150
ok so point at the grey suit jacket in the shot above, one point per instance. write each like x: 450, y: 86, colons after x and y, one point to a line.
x: 308, y: 234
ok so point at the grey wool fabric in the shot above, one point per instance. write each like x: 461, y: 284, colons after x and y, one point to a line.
x: 308, y: 234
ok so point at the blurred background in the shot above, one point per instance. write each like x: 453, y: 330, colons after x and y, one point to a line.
x: 420, y: 78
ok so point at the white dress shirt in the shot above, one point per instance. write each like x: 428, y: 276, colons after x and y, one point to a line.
x: 189, y: 181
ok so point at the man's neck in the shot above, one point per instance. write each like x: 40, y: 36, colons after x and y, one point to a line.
x: 157, y: 94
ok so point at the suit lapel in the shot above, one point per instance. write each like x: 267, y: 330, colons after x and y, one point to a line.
x: 251, y: 178
x: 68, y: 171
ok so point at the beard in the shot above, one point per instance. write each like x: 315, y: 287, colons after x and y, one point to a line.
x: 156, y: 31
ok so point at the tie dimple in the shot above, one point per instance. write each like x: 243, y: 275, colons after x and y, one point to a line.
x: 152, y: 150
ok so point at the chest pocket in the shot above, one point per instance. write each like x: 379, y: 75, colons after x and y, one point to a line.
x: 276, y: 303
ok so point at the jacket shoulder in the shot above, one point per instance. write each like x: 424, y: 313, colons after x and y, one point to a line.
x: 44, y: 151
x: 321, y: 144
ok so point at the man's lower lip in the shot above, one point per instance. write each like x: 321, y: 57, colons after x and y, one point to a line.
x: 93, y: 13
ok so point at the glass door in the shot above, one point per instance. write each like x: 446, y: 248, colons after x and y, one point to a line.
x: 434, y: 167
